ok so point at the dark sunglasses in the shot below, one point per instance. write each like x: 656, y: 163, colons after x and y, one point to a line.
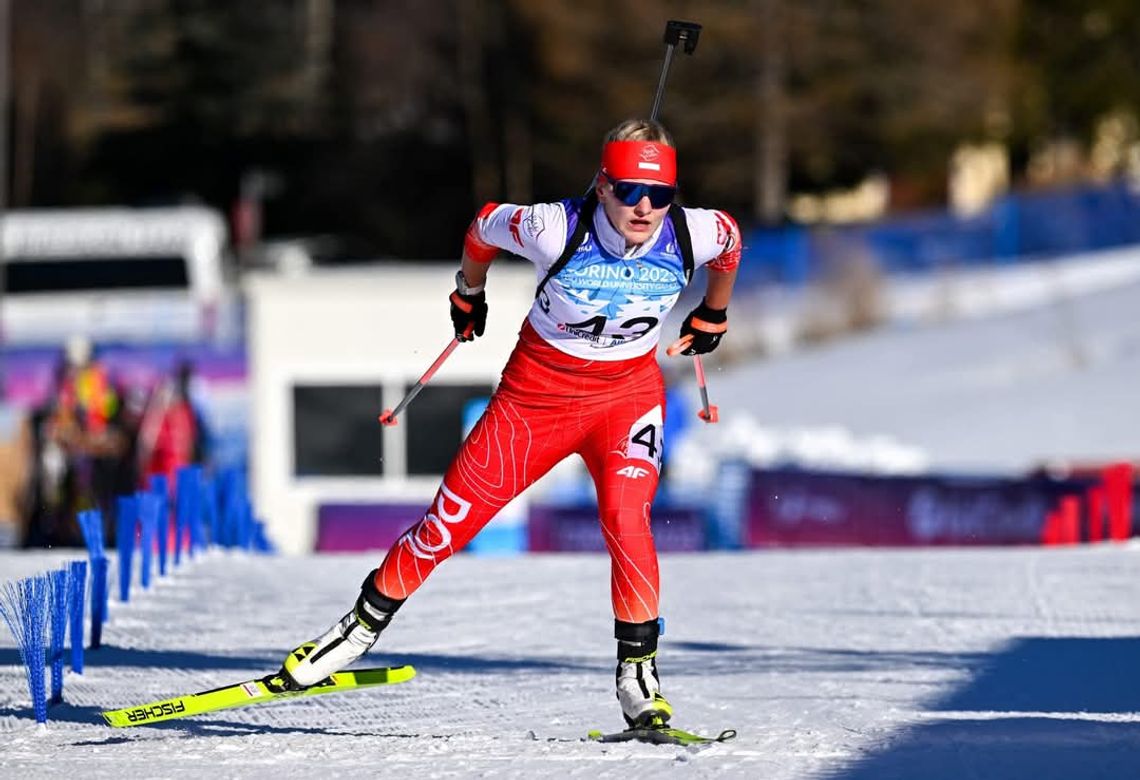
x: 630, y: 193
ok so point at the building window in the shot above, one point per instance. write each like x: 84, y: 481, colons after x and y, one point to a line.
x: 336, y: 432
x: 435, y: 425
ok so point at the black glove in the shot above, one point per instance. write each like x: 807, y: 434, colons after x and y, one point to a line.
x: 706, y: 326
x: 468, y: 314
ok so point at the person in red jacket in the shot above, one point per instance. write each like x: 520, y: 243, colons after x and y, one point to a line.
x: 169, y: 434
x: 583, y: 379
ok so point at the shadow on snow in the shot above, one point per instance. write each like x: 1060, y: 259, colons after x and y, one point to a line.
x: 999, y: 728
x: 268, y: 662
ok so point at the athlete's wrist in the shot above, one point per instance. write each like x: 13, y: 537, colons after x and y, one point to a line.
x: 464, y: 288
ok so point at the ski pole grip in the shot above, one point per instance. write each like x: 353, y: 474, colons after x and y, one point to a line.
x: 679, y: 346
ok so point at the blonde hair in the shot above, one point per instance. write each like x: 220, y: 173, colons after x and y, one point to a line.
x: 640, y: 130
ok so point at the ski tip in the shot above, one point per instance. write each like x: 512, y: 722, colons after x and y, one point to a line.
x: 380, y: 675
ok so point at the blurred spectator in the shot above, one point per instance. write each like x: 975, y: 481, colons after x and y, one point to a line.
x: 52, y: 491
x: 80, y: 441
x: 172, y: 433
x: 15, y: 458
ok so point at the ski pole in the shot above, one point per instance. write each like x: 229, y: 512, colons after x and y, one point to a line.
x: 389, y: 415
x: 689, y: 33
x: 675, y: 32
x: 708, y: 412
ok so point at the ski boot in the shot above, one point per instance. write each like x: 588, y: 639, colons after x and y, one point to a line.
x: 638, y: 686
x: 349, y: 639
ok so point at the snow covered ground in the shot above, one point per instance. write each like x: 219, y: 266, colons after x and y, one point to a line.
x: 847, y: 665
x: 840, y: 664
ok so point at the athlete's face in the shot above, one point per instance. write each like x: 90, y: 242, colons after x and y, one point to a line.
x: 636, y: 223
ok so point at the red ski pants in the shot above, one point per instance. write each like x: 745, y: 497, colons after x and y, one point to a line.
x: 550, y: 405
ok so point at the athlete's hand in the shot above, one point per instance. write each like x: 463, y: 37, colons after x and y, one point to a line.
x: 468, y: 314
x: 703, y: 328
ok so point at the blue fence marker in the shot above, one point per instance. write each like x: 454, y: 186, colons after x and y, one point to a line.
x: 231, y: 508
x: 91, y: 524
x: 199, y: 536
x: 211, y: 516
x: 261, y: 541
x: 100, y: 595
x: 24, y: 607
x: 76, y: 591
x: 186, y: 507
x: 148, y: 523
x: 126, y: 529
x: 57, y: 582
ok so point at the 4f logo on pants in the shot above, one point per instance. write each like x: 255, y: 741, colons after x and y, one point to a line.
x: 633, y: 472
x: 448, y: 510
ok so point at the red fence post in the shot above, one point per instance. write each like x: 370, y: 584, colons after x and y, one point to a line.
x: 1118, y: 495
x: 1070, y: 519
x: 1095, y: 501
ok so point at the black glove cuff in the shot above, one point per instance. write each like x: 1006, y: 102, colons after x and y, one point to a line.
x: 708, y: 314
x: 478, y: 297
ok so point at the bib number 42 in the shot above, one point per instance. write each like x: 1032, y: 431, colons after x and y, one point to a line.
x: 596, y: 326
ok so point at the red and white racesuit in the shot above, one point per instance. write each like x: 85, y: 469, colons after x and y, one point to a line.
x: 582, y: 379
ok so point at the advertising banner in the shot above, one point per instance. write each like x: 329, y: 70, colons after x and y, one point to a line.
x: 799, y: 508
x: 576, y: 528
x: 355, y: 527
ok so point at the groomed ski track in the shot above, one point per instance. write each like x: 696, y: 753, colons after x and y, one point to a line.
x: 850, y: 665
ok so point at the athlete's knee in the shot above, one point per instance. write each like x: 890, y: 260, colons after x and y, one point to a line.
x: 625, y: 525
x: 446, y: 527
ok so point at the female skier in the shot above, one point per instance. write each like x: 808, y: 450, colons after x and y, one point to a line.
x: 583, y: 378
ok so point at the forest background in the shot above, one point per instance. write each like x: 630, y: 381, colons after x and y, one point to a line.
x: 387, y: 123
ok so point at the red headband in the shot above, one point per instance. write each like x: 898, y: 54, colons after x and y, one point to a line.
x: 650, y: 160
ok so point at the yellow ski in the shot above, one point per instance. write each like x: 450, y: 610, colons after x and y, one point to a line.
x: 258, y: 691
x: 661, y: 735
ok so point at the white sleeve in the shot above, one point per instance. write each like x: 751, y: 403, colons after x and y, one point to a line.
x: 715, y: 237
x: 536, y: 232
